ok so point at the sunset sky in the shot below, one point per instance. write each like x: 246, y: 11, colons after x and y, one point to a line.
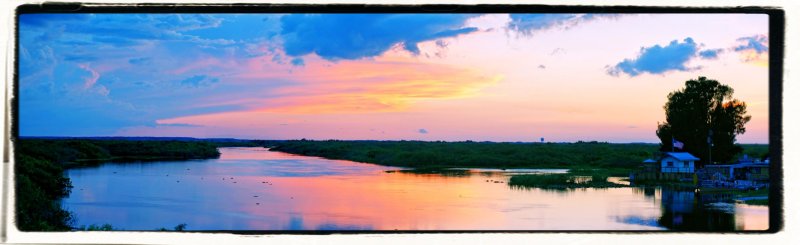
x: 495, y: 77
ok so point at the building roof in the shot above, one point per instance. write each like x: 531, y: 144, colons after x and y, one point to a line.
x: 750, y: 164
x: 682, y: 156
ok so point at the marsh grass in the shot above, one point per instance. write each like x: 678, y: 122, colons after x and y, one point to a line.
x: 437, y: 171
x: 562, y: 181
x: 760, y: 202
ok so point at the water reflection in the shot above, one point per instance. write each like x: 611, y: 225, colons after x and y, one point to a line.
x: 255, y: 189
x: 687, y: 210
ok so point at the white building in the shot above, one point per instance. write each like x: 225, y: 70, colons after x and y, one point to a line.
x: 678, y: 162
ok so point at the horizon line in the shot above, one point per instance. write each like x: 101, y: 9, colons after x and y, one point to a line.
x: 479, y: 141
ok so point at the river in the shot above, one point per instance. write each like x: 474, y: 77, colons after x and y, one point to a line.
x: 256, y: 189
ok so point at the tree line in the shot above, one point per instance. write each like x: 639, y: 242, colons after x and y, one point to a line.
x: 40, y: 163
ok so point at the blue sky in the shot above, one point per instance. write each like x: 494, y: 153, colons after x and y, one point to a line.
x: 305, y: 75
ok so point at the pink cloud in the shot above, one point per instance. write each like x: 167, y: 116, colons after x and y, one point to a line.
x: 90, y: 81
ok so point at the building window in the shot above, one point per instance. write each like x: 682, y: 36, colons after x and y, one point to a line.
x: 669, y: 164
x: 756, y: 170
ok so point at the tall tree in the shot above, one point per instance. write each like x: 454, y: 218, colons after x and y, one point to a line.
x: 704, y: 109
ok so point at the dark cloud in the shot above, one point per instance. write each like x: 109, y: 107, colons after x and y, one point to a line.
x: 657, y: 59
x: 542, y: 67
x: 355, y: 36
x: 710, y: 53
x: 44, y: 20
x: 422, y: 131
x: 527, y: 24
x: 757, y: 43
x: 298, y: 62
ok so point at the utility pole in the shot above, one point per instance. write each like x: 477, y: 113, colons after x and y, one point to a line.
x: 710, y: 144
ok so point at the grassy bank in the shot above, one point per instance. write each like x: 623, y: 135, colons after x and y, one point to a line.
x: 40, y: 163
x: 84, y: 151
x: 419, y: 154
x: 759, y: 202
x: 561, y: 181
x: 580, y: 157
x: 752, y: 197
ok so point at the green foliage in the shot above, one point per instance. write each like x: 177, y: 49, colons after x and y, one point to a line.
x: 704, y: 105
x: 38, y: 184
x: 599, y: 178
x: 543, y: 180
x: 88, y: 150
x: 180, y: 227
x: 760, y: 202
x: 39, y: 172
x: 94, y: 227
x: 755, y: 151
x: 561, y: 181
x: 158, y: 149
x: 420, y: 154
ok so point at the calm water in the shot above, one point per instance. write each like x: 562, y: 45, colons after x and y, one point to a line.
x: 255, y: 189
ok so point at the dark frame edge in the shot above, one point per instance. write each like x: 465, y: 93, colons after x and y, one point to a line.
x: 776, y: 63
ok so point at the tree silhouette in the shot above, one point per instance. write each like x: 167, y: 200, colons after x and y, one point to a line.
x: 704, y: 109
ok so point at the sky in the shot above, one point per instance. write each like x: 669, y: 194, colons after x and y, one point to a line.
x: 452, y: 77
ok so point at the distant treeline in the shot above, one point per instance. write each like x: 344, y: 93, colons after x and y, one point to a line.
x: 40, y: 163
x: 71, y: 151
x: 422, y: 154
x: 757, y: 151
x: 425, y: 154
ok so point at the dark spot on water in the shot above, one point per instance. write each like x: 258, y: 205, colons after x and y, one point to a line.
x: 234, y: 182
x: 258, y: 204
x: 255, y: 196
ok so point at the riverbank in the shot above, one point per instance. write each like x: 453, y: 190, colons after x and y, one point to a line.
x: 562, y: 181
x: 585, y: 157
x: 617, y: 159
x: 40, y: 164
x: 589, y: 163
x: 751, y: 197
